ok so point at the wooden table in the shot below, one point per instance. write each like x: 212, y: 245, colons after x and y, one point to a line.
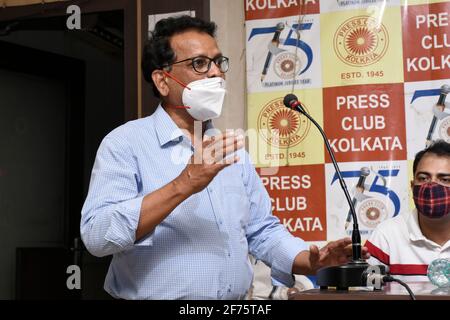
x: 391, y: 291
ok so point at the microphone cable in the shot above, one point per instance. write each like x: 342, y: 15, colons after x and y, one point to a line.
x: 392, y: 279
x: 381, y: 279
x: 300, y: 18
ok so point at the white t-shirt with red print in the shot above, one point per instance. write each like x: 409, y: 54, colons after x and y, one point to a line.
x: 399, y: 244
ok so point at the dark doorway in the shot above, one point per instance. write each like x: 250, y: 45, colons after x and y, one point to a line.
x: 41, y: 138
x: 61, y: 92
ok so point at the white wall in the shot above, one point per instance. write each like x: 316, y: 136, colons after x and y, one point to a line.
x: 229, y: 16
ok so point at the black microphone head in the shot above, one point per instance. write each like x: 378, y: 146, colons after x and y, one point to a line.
x: 288, y: 99
x: 445, y: 89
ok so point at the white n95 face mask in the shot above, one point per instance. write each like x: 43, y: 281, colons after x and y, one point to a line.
x: 204, y: 98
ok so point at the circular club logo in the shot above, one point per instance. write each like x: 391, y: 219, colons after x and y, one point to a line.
x: 360, y: 41
x: 280, y: 126
x: 371, y: 212
x: 286, y: 65
x: 444, y: 129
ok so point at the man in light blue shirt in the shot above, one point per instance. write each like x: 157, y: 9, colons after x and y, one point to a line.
x: 178, y: 219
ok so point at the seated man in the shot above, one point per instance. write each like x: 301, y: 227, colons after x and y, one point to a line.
x: 409, y: 242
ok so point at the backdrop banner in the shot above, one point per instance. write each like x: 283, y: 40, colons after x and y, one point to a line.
x: 370, y: 73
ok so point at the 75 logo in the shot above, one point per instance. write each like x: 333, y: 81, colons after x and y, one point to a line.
x: 378, y: 185
x: 292, y: 40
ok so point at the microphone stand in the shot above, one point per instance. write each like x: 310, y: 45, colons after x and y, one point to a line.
x: 351, y: 274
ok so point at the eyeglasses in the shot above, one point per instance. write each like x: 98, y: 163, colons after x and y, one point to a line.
x: 202, y: 64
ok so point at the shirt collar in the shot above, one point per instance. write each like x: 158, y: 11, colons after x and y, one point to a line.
x: 415, y: 234
x: 167, y: 130
x: 165, y: 127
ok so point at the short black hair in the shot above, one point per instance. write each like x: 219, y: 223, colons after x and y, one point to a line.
x: 439, y: 148
x: 157, y: 52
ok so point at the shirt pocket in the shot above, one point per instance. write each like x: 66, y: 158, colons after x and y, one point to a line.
x: 237, y: 206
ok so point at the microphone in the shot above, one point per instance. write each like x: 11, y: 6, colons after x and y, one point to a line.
x: 359, y: 188
x: 445, y: 89
x: 275, y: 41
x: 348, y: 275
x: 291, y: 101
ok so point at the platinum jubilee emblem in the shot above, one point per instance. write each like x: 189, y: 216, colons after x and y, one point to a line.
x: 371, y: 212
x: 287, y: 65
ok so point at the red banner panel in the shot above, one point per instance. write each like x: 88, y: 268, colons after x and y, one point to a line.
x: 426, y: 41
x: 365, y: 122
x: 266, y: 9
x: 298, y: 199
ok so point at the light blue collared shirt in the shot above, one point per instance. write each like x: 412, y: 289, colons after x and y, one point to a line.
x: 200, y: 251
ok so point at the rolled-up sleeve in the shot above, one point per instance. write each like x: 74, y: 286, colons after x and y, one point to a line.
x: 269, y: 241
x: 110, y: 215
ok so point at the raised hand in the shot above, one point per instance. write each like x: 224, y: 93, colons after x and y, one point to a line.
x: 206, y: 162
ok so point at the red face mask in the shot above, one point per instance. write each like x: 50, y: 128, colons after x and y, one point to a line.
x: 432, y: 199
